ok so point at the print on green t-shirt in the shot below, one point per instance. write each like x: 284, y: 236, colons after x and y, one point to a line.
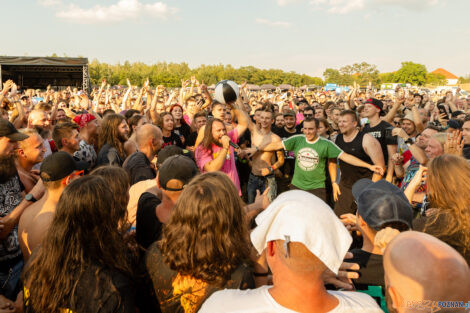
x: 310, y: 160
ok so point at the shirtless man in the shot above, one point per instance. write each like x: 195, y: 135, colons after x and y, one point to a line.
x: 57, y: 171
x: 264, y: 163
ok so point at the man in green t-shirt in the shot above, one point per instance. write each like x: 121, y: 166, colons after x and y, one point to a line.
x: 311, y: 152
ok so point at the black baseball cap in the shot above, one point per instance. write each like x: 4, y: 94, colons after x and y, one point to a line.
x: 177, y: 167
x: 381, y: 202
x: 289, y: 113
x: 377, y: 103
x: 172, y: 150
x: 457, y: 113
x: 8, y: 130
x: 59, y: 165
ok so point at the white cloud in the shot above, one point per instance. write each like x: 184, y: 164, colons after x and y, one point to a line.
x: 346, y: 6
x: 287, y: 2
x: 272, y: 23
x: 122, y: 10
x: 49, y: 3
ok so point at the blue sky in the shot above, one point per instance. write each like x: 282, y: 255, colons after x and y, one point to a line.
x: 305, y: 36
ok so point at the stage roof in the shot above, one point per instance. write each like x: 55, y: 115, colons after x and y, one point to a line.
x: 54, y: 61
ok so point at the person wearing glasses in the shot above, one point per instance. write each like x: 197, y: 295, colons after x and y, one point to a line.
x: 307, y: 112
x: 57, y: 171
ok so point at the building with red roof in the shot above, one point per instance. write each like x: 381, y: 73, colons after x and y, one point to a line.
x: 451, y: 78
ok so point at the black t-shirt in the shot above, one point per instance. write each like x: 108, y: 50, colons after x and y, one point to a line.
x: 379, y: 132
x: 372, y: 269
x: 172, y: 140
x: 138, y: 167
x: 108, y: 156
x: 191, y: 140
x: 148, y: 227
x: 181, y: 293
x: 184, y: 130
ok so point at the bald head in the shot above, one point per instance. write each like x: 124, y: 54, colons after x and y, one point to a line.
x: 419, y: 266
x: 147, y: 132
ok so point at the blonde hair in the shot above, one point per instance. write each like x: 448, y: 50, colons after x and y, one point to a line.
x: 448, y: 176
x: 441, y: 138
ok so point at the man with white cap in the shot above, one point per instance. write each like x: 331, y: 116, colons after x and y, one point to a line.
x: 303, y: 239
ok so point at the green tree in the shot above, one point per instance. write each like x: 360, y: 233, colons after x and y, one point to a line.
x: 412, y: 73
x: 464, y: 80
x: 387, y: 77
x: 332, y: 76
x: 436, y: 79
x: 170, y: 74
x: 361, y: 73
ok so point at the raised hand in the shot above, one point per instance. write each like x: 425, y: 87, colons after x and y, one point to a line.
x: 146, y: 84
x: 203, y: 87
x: 7, y: 86
x: 454, y: 143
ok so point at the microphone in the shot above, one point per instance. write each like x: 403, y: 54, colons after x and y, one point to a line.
x: 233, y: 145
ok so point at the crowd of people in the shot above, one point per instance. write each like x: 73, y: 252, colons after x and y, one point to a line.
x: 140, y: 199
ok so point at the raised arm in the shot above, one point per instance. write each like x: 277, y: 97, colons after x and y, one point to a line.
x: 393, y: 111
x: 208, y: 99
x: 374, y: 151
x: 242, y: 117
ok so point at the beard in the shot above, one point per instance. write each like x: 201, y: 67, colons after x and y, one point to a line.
x: 7, y: 168
x: 43, y: 132
x: 122, y: 137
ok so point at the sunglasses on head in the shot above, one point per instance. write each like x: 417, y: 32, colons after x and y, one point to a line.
x: 73, y: 175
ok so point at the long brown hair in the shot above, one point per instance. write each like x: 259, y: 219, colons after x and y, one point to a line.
x: 109, y: 133
x: 448, y: 181
x: 208, y: 138
x: 84, y: 234
x: 117, y: 179
x: 207, y: 237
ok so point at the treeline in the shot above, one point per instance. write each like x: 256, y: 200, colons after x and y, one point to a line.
x: 170, y: 74
x: 362, y: 73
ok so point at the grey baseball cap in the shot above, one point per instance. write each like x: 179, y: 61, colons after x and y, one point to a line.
x: 380, y: 203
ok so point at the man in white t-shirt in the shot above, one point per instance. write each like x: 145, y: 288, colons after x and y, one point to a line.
x: 303, y: 240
